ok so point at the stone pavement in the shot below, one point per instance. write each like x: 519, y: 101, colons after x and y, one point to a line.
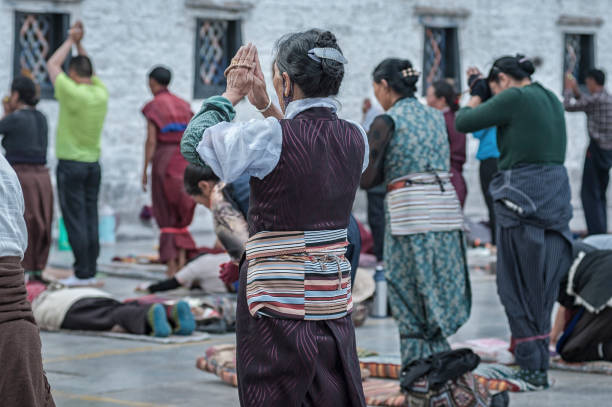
x: 92, y: 371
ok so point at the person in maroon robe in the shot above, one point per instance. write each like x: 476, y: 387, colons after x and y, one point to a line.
x: 167, y: 117
x: 441, y: 95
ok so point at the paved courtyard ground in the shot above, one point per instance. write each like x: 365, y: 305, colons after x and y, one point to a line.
x: 93, y: 371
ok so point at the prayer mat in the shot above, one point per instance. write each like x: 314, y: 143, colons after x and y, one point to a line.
x: 173, y: 339
x: 154, y: 272
x: 365, y: 353
x: 385, y: 367
x: 389, y: 368
x: 387, y: 392
x: 497, y: 377
x: 383, y: 393
x: 221, y: 361
x: 597, y: 367
x: 137, y: 259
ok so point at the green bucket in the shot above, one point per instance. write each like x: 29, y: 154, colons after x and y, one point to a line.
x: 62, y: 241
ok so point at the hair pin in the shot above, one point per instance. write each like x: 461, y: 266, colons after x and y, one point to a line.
x: 410, y: 72
x: 326, y: 53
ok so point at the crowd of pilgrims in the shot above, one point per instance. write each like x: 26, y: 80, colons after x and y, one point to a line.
x: 281, y: 191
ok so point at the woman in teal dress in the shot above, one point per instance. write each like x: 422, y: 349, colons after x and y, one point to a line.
x: 424, y: 250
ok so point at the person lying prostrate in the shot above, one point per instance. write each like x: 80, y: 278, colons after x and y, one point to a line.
x: 214, y: 273
x: 90, y: 309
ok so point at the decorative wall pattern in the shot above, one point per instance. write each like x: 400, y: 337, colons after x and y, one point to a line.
x: 34, y: 33
x: 571, y: 55
x: 441, y: 56
x: 433, y: 55
x: 212, y: 52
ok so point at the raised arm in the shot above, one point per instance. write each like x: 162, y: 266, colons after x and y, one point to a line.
x: 214, y: 110
x: 54, y: 64
x: 496, y: 111
x: 233, y: 149
x: 79, y: 33
x: 573, y: 99
x: 217, y: 109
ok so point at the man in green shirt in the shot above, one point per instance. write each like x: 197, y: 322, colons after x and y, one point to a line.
x: 83, y: 100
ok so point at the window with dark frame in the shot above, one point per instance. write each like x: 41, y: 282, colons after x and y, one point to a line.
x: 37, y: 36
x: 216, y: 43
x: 441, y: 56
x: 578, y: 56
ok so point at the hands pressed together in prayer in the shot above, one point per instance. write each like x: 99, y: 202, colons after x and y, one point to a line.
x: 76, y: 32
x: 245, y: 78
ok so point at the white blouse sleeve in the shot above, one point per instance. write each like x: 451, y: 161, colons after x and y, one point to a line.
x: 234, y: 149
x: 366, y: 153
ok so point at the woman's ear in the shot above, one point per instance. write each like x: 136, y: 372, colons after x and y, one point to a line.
x: 503, y: 80
x: 384, y: 84
x: 14, y: 99
x: 286, y: 84
x: 205, y: 188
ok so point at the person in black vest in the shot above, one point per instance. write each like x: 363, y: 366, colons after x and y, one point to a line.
x: 295, y: 337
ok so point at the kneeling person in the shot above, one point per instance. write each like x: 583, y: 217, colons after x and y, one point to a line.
x: 214, y: 273
x: 583, y: 324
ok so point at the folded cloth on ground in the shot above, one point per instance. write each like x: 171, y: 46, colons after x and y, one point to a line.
x: 383, y: 393
x: 221, y: 361
x: 137, y: 259
x: 501, y: 377
x: 598, y: 367
x: 386, y: 368
x: 489, y: 349
x: 364, y: 353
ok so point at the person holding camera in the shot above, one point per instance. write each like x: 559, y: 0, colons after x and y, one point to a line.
x: 531, y: 195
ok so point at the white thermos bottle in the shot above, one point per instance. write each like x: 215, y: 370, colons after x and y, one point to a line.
x: 380, y: 296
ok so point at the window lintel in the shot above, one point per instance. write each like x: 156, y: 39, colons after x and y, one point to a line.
x: 225, y: 5
x: 572, y: 21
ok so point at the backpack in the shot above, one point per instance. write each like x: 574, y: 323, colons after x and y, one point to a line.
x: 445, y: 379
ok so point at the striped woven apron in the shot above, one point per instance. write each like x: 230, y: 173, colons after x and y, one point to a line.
x: 298, y: 275
x: 423, y: 202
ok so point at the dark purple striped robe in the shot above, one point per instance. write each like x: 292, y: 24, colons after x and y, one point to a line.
x: 288, y: 362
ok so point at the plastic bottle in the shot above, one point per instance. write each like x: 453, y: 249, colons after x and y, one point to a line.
x: 107, y: 225
x: 379, y: 310
x: 62, y: 240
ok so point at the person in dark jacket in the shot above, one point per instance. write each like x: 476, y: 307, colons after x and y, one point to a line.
x: 441, y: 95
